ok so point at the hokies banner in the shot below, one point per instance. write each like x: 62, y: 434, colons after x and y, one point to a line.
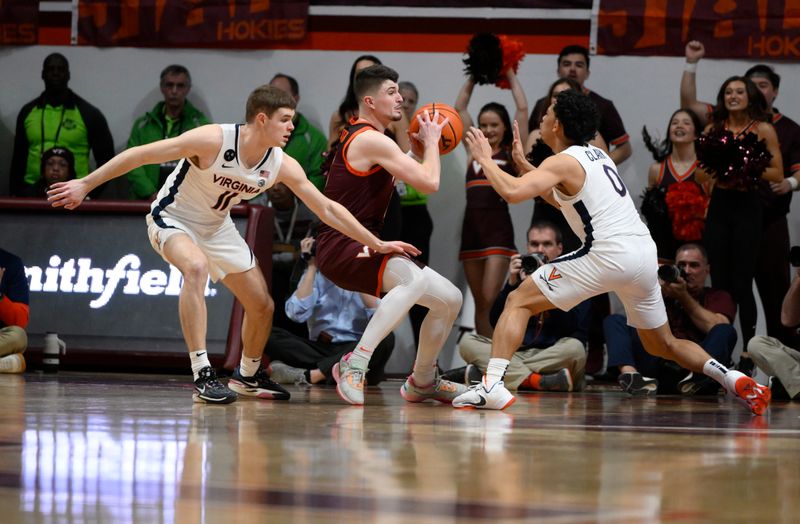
x: 755, y: 29
x: 191, y: 23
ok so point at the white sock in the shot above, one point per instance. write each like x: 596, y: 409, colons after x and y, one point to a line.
x: 715, y: 370
x: 199, y: 360
x: 423, y: 375
x: 495, y: 371
x: 360, y: 357
x: 249, y: 366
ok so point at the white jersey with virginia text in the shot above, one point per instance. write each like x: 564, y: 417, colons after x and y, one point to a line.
x: 603, y: 208
x: 203, y: 197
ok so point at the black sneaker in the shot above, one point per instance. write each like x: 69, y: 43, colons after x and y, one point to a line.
x: 559, y: 381
x: 698, y: 384
x: 637, y: 385
x: 778, y: 390
x: 259, y: 385
x: 472, y: 375
x: 208, y: 389
x: 454, y: 375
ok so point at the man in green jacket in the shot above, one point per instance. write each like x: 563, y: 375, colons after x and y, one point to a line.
x: 307, y: 143
x: 168, y: 119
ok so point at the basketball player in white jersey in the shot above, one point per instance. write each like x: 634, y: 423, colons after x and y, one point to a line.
x: 617, y: 254
x: 190, y: 226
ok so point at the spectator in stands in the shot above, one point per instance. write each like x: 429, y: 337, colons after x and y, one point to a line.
x: 58, y: 165
x: 169, y: 118
x: 487, y: 233
x: 553, y: 352
x: 336, y: 320
x: 675, y: 162
x: 292, y: 222
x: 695, y: 312
x: 573, y: 62
x: 780, y: 362
x: 14, y: 313
x: 57, y: 118
x: 772, y: 266
x: 307, y: 143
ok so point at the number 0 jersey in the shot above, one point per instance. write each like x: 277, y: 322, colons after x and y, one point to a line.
x: 603, y: 208
x: 203, y: 197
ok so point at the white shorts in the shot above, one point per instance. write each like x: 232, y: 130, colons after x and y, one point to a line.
x: 224, y: 247
x: 625, y: 265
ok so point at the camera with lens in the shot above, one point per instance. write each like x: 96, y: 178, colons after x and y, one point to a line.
x: 531, y: 262
x: 670, y: 273
x: 794, y: 256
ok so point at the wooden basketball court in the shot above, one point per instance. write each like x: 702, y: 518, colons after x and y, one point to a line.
x: 77, y: 447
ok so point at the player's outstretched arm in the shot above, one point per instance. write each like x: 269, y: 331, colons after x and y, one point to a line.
x: 333, y: 213
x: 200, y: 144
x: 513, y: 190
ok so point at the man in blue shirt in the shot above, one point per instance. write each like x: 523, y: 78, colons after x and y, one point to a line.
x: 336, y: 319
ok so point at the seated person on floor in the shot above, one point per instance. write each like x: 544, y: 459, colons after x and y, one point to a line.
x: 14, y: 313
x: 336, y: 320
x: 695, y: 312
x: 553, y: 353
x: 774, y: 358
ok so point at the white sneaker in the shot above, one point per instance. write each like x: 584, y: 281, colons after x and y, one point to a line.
x: 497, y: 397
x: 14, y: 363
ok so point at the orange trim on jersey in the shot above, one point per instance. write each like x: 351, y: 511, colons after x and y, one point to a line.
x: 621, y: 140
x: 794, y: 168
x: 776, y: 117
x: 346, y: 146
x: 661, y: 173
x: 483, y: 253
x: 380, y: 274
x: 678, y: 176
x: 477, y: 183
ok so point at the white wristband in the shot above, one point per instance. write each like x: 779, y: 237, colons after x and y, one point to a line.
x: 690, y: 67
x: 794, y: 183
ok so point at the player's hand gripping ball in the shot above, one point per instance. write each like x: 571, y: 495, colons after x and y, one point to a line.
x: 451, y: 132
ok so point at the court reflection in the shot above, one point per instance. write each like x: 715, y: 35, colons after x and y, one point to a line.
x: 77, y: 450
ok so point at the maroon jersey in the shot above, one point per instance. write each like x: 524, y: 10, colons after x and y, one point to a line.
x: 480, y: 193
x: 365, y: 194
x: 777, y: 206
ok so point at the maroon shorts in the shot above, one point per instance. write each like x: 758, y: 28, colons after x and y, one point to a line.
x: 486, y: 232
x: 350, y: 264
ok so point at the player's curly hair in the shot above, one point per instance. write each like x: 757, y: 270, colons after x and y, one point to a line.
x: 578, y: 116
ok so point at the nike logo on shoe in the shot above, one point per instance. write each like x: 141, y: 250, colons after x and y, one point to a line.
x: 480, y: 403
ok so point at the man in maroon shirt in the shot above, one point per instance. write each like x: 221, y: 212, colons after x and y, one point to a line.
x: 772, y: 272
x: 695, y: 312
x: 573, y: 62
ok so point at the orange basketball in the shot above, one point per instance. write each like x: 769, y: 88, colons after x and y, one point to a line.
x: 451, y: 133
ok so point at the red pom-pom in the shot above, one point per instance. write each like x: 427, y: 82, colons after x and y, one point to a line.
x: 687, y: 204
x: 512, y: 56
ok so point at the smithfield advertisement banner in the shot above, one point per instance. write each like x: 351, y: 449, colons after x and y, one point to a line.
x: 752, y: 29
x: 192, y: 23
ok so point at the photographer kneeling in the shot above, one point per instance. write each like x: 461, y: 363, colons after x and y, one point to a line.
x: 695, y: 312
x: 553, y: 353
x: 777, y: 360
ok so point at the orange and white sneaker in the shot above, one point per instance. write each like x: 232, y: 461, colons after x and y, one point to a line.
x: 747, y: 391
x: 441, y: 390
x: 349, y: 381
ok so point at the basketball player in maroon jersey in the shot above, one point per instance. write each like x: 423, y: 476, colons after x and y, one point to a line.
x: 361, y: 178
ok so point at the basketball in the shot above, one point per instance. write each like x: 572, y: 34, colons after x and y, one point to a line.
x: 451, y: 133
